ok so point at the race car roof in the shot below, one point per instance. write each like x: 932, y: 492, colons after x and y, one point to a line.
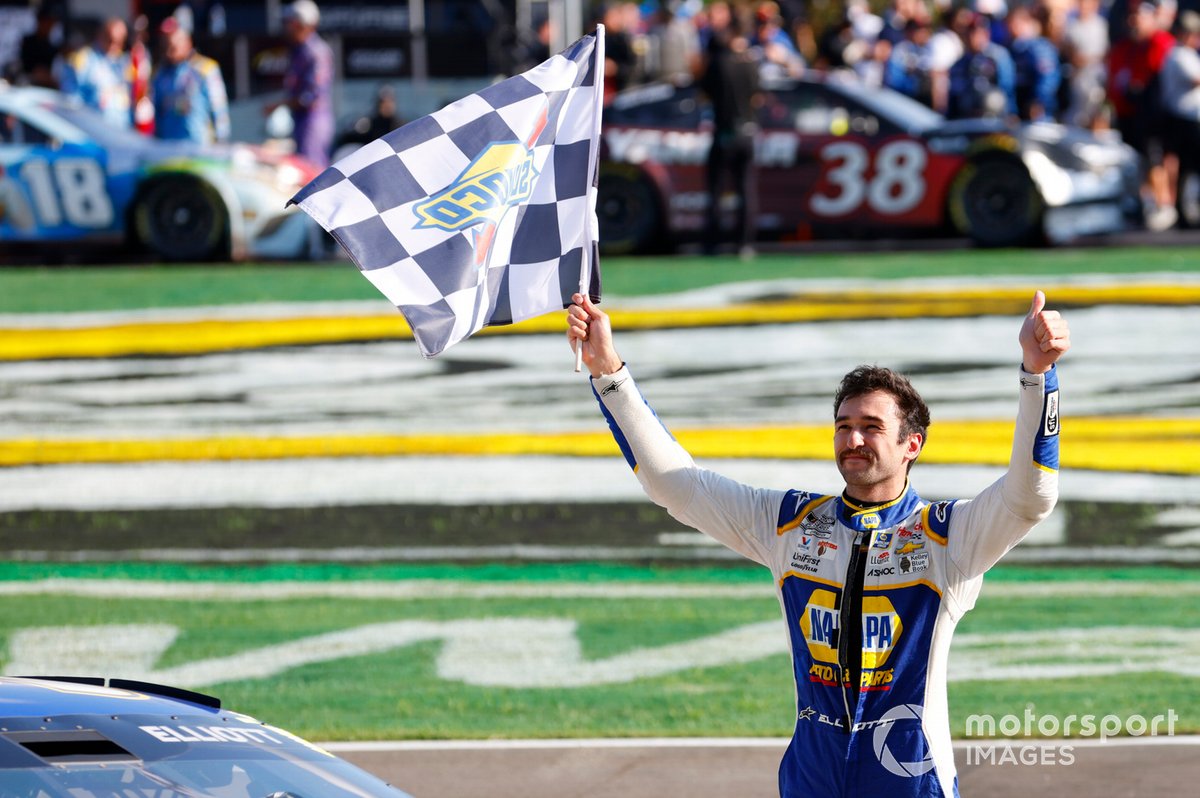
x: 29, y: 697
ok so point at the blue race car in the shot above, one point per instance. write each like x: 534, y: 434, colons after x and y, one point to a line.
x: 80, y: 738
x: 67, y: 176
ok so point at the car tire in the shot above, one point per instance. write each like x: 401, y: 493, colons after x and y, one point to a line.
x: 182, y: 218
x: 995, y: 202
x: 628, y: 210
x: 1188, y: 199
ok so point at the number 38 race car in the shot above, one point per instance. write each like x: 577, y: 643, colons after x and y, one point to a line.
x: 66, y: 176
x: 836, y: 158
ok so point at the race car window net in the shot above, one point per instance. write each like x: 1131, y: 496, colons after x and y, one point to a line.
x: 64, y: 747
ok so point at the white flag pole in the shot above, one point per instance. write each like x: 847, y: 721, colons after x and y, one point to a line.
x: 585, y: 264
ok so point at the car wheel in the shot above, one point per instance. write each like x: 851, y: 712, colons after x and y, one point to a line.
x: 995, y: 202
x: 628, y: 211
x: 1188, y: 201
x: 182, y: 218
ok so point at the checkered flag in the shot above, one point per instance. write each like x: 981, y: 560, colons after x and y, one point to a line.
x: 481, y: 213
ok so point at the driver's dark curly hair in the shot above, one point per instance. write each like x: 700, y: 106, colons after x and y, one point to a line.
x: 914, y: 414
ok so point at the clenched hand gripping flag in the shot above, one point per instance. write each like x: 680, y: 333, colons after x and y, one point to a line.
x: 481, y: 213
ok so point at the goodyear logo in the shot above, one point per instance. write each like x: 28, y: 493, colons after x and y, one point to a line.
x: 819, y: 624
x: 881, y: 630
x: 501, y: 177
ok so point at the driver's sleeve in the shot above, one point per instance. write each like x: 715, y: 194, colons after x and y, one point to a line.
x: 740, y: 517
x: 977, y: 533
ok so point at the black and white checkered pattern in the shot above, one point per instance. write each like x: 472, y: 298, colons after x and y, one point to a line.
x: 448, y: 283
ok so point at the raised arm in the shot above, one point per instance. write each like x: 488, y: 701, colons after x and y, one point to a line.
x: 743, y: 518
x: 982, y: 530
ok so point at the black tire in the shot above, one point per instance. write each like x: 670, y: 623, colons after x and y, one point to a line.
x: 1188, y: 199
x: 628, y: 210
x: 182, y: 218
x: 994, y: 201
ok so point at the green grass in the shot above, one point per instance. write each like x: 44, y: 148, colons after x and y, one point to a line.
x: 740, y: 572
x: 398, y: 694
x: 61, y: 289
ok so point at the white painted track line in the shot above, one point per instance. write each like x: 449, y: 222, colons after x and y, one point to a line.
x: 721, y: 742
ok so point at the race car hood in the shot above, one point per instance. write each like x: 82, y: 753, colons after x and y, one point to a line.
x: 1070, y: 148
x: 234, y: 156
x: 972, y: 127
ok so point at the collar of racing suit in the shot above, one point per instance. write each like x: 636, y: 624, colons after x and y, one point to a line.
x: 862, y: 517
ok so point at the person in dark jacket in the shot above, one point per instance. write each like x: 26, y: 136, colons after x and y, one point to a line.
x: 981, y: 82
x: 731, y: 81
x: 1038, y: 70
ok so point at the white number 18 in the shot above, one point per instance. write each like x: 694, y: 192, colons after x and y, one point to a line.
x: 73, y: 190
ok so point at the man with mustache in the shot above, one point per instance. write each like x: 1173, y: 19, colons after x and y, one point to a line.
x: 870, y: 636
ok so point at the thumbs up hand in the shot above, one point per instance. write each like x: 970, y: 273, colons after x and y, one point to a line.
x: 1044, y: 336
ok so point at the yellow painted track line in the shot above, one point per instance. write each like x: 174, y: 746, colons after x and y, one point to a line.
x: 1150, y: 445
x: 198, y: 337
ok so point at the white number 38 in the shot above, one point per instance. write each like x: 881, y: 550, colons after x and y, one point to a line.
x: 897, y: 186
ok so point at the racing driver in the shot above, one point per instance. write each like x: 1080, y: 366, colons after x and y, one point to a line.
x: 873, y: 581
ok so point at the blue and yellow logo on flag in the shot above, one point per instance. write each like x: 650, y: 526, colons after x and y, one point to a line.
x: 500, y: 178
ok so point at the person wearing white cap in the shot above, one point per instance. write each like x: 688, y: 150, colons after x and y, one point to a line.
x: 308, y: 82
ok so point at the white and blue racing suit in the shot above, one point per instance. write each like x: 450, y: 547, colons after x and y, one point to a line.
x: 919, y: 566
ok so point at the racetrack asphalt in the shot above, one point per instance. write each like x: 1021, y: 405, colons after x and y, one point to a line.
x: 1125, y: 768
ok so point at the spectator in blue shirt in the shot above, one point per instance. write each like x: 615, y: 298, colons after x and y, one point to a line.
x: 188, y: 92
x: 908, y: 69
x: 981, y: 82
x: 1038, y: 71
x: 776, y: 52
x: 100, y: 75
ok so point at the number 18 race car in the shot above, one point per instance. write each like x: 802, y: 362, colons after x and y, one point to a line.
x: 837, y: 158
x: 66, y: 176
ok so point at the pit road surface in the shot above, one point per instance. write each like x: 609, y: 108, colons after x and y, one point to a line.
x: 1125, y: 768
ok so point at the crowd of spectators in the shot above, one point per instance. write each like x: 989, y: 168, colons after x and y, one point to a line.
x: 177, y: 93
x: 181, y: 97
x: 1124, y: 65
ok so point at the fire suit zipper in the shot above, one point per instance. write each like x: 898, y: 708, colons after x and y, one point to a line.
x: 844, y: 625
